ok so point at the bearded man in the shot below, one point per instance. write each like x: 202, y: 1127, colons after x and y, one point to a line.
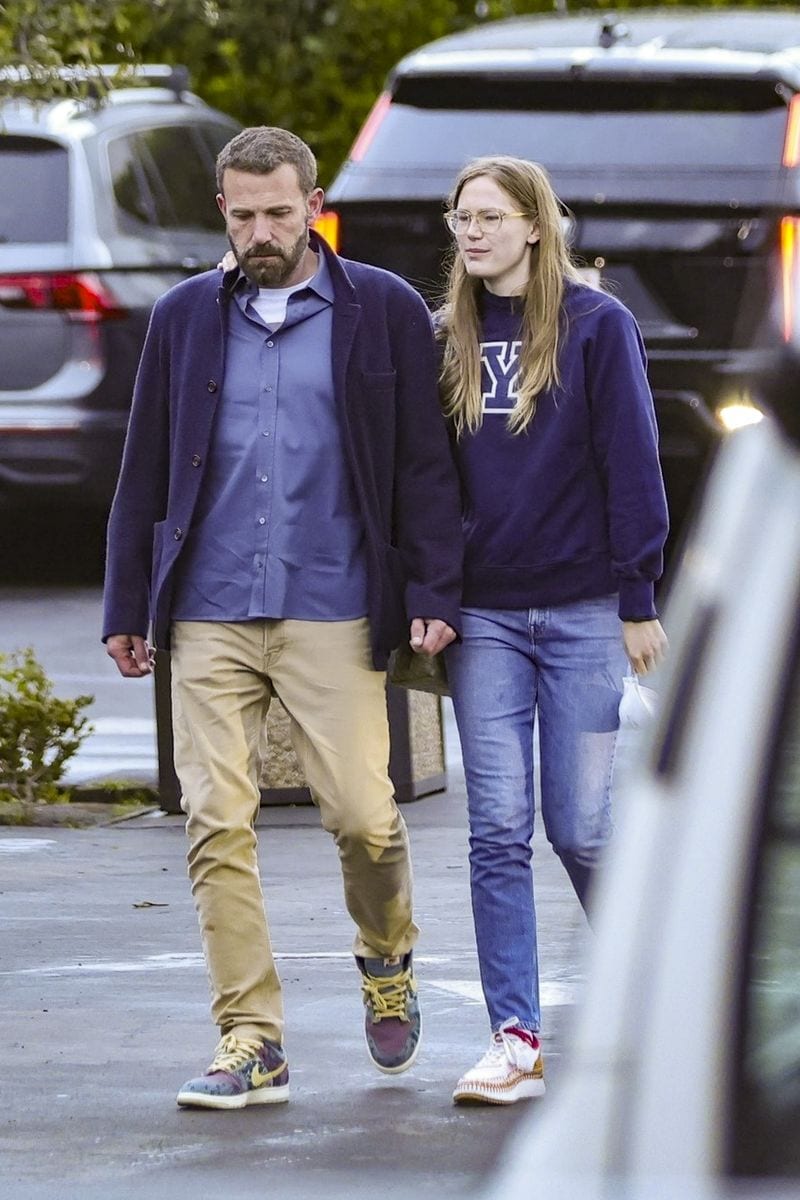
x: 287, y: 512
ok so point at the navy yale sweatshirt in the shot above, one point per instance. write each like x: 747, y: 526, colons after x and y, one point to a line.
x: 574, y: 507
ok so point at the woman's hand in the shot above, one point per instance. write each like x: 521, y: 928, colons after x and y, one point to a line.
x: 645, y: 644
x: 430, y: 636
x: 228, y: 261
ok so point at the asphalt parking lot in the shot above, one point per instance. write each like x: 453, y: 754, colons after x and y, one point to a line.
x: 104, y: 1001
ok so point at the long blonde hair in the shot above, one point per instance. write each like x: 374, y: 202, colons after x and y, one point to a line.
x: 530, y: 190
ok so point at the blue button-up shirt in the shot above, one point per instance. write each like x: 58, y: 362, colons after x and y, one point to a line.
x: 277, y: 532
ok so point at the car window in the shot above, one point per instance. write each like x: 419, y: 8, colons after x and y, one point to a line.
x: 181, y: 175
x: 163, y: 178
x: 134, y: 200
x: 767, y: 1087
x: 579, y: 124
x: 33, y: 167
x: 215, y: 137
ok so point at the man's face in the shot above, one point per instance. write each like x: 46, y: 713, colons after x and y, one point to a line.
x: 267, y: 218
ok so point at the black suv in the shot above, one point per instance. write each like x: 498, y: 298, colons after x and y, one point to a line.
x: 103, y: 206
x: 673, y: 139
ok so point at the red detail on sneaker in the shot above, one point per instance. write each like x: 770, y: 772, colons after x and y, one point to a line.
x: 525, y: 1035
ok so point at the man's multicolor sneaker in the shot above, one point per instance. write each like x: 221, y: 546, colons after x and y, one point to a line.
x: 511, y: 1069
x: 392, y: 1021
x: 244, y: 1071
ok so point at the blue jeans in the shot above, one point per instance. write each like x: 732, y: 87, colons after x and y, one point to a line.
x: 565, y: 665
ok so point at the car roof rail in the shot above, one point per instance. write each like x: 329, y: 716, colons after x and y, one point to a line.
x: 174, y: 77
x: 98, y: 80
x: 611, y: 32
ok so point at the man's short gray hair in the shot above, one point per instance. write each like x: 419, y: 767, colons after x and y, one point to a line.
x: 261, y: 149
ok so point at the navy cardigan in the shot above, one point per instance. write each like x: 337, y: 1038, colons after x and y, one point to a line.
x: 396, y: 445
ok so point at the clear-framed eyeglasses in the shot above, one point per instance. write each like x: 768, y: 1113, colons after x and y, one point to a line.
x: 488, y: 220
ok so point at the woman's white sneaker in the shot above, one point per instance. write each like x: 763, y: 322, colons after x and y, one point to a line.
x: 511, y: 1069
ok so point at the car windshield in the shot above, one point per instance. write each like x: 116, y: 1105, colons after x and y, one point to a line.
x: 33, y: 169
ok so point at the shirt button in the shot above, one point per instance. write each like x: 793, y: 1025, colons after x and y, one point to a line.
x: 265, y: 433
x: 178, y: 534
x: 262, y: 520
x: 264, y: 478
x: 212, y: 385
x: 270, y: 344
x: 196, y: 460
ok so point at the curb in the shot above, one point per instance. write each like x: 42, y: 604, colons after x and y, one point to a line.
x: 84, y: 806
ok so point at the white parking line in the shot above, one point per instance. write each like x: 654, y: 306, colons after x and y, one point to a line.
x: 24, y: 845
x: 123, y: 726
x: 116, y: 744
x: 553, y: 992
x: 179, y: 962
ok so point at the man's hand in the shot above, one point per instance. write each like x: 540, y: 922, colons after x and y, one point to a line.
x: 429, y: 637
x: 645, y: 644
x: 131, y: 653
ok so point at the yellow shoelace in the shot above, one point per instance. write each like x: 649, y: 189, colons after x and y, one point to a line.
x: 233, y: 1051
x: 388, y: 997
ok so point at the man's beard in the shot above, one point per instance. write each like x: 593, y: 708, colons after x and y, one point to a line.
x: 276, y: 265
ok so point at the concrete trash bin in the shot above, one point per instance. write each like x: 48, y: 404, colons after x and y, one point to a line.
x: 416, y: 763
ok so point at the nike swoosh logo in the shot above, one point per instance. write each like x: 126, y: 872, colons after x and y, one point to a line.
x: 258, y: 1077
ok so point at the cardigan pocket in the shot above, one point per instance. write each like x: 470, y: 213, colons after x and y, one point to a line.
x: 378, y: 382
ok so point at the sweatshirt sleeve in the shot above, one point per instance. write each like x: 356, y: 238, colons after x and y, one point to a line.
x: 625, y: 447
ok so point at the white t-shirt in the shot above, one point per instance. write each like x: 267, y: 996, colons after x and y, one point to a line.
x: 270, y: 303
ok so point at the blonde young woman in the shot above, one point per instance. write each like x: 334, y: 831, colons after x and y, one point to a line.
x: 543, y: 381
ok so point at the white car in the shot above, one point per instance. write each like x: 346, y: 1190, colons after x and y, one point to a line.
x: 683, y: 1075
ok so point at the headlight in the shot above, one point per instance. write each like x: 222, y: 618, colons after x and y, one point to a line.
x: 736, y: 414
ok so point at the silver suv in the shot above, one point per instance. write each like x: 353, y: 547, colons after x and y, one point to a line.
x: 104, y: 204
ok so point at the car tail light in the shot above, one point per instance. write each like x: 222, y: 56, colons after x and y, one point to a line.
x: 327, y: 225
x: 790, y: 273
x: 370, y: 127
x: 791, y: 141
x: 79, y: 296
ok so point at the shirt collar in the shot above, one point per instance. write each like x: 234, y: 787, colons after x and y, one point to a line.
x: 320, y: 282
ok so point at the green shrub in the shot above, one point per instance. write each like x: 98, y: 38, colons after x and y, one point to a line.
x: 39, y: 733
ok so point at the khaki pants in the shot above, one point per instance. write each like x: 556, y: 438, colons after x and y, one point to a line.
x: 223, y: 677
